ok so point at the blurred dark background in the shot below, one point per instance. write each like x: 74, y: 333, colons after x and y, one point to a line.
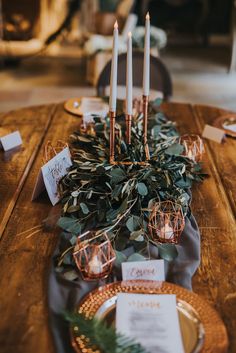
x: 48, y: 51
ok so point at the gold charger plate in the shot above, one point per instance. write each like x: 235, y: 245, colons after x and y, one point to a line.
x: 202, y: 329
x: 226, y: 120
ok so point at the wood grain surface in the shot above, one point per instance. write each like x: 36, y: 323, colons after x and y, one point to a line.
x: 24, y: 262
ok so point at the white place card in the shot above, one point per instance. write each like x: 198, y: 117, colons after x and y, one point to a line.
x: 50, y: 175
x: 90, y: 106
x: 213, y: 133
x: 152, y: 270
x: 231, y: 127
x: 151, y: 320
x: 11, y: 141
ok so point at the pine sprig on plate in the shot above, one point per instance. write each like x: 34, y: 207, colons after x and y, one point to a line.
x: 102, y: 337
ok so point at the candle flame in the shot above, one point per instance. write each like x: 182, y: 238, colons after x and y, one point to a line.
x: 147, y: 16
x: 129, y: 34
x: 116, y: 25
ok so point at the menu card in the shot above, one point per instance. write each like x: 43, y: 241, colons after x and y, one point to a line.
x: 151, y: 320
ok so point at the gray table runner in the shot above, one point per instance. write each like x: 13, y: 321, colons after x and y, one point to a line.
x: 65, y: 295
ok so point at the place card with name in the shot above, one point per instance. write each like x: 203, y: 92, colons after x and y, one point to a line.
x: 151, y: 320
x: 152, y: 270
x: 213, y: 133
x: 11, y: 140
x: 51, y: 173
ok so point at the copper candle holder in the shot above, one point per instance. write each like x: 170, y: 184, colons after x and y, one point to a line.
x: 112, y: 135
x: 128, y: 120
x: 166, y: 222
x: 193, y: 147
x: 94, y: 256
x: 51, y: 150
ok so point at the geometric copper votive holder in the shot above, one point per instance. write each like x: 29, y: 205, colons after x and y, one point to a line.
x: 94, y: 255
x: 193, y: 147
x: 166, y: 222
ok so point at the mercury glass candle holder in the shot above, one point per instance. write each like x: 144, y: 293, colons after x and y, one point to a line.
x: 166, y: 222
x: 193, y: 147
x: 94, y: 255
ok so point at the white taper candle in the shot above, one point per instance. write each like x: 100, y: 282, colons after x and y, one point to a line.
x: 129, y: 77
x: 146, y: 63
x: 113, y: 79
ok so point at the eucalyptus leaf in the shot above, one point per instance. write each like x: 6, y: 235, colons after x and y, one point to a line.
x: 84, y: 208
x: 157, y: 102
x: 69, y: 224
x: 137, y: 235
x: 136, y: 257
x: 176, y: 149
x: 73, y: 240
x: 120, y: 257
x: 142, y: 189
x: 73, y: 208
x: 167, y: 252
x: 117, y: 175
x: 133, y: 223
x: 70, y: 275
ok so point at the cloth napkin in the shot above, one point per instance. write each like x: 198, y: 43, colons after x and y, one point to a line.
x: 66, y: 295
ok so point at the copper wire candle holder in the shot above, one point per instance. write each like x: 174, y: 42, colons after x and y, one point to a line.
x: 166, y: 222
x: 94, y: 256
x: 51, y: 150
x: 193, y: 147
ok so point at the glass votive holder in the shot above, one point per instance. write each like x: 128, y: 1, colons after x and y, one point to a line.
x: 166, y: 222
x: 94, y: 255
x: 193, y: 147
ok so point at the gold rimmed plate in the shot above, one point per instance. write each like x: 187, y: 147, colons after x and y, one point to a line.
x: 201, y: 327
x: 227, y: 122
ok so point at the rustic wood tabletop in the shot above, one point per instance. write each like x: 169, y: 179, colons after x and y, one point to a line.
x: 25, y: 262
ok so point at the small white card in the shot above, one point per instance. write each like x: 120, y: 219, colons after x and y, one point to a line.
x: 152, y: 270
x: 11, y: 141
x: 92, y: 106
x: 213, y: 133
x: 50, y: 175
x: 151, y: 320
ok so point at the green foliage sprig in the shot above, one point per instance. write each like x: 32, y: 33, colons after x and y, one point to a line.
x: 118, y: 198
x: 102, y: 337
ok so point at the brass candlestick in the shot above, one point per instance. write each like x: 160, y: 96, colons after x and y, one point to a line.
x: 128, y: 120
x: 145, y: 125
x: 112, y: 135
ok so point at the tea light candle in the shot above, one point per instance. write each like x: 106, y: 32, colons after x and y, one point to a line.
x: 190, y: 154
x: 95, y: 265
x: 167, y: 232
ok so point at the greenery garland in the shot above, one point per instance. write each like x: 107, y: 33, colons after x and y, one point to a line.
x: 118, y: 198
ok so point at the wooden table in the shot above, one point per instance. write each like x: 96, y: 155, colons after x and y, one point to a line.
x: 25, y: 262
